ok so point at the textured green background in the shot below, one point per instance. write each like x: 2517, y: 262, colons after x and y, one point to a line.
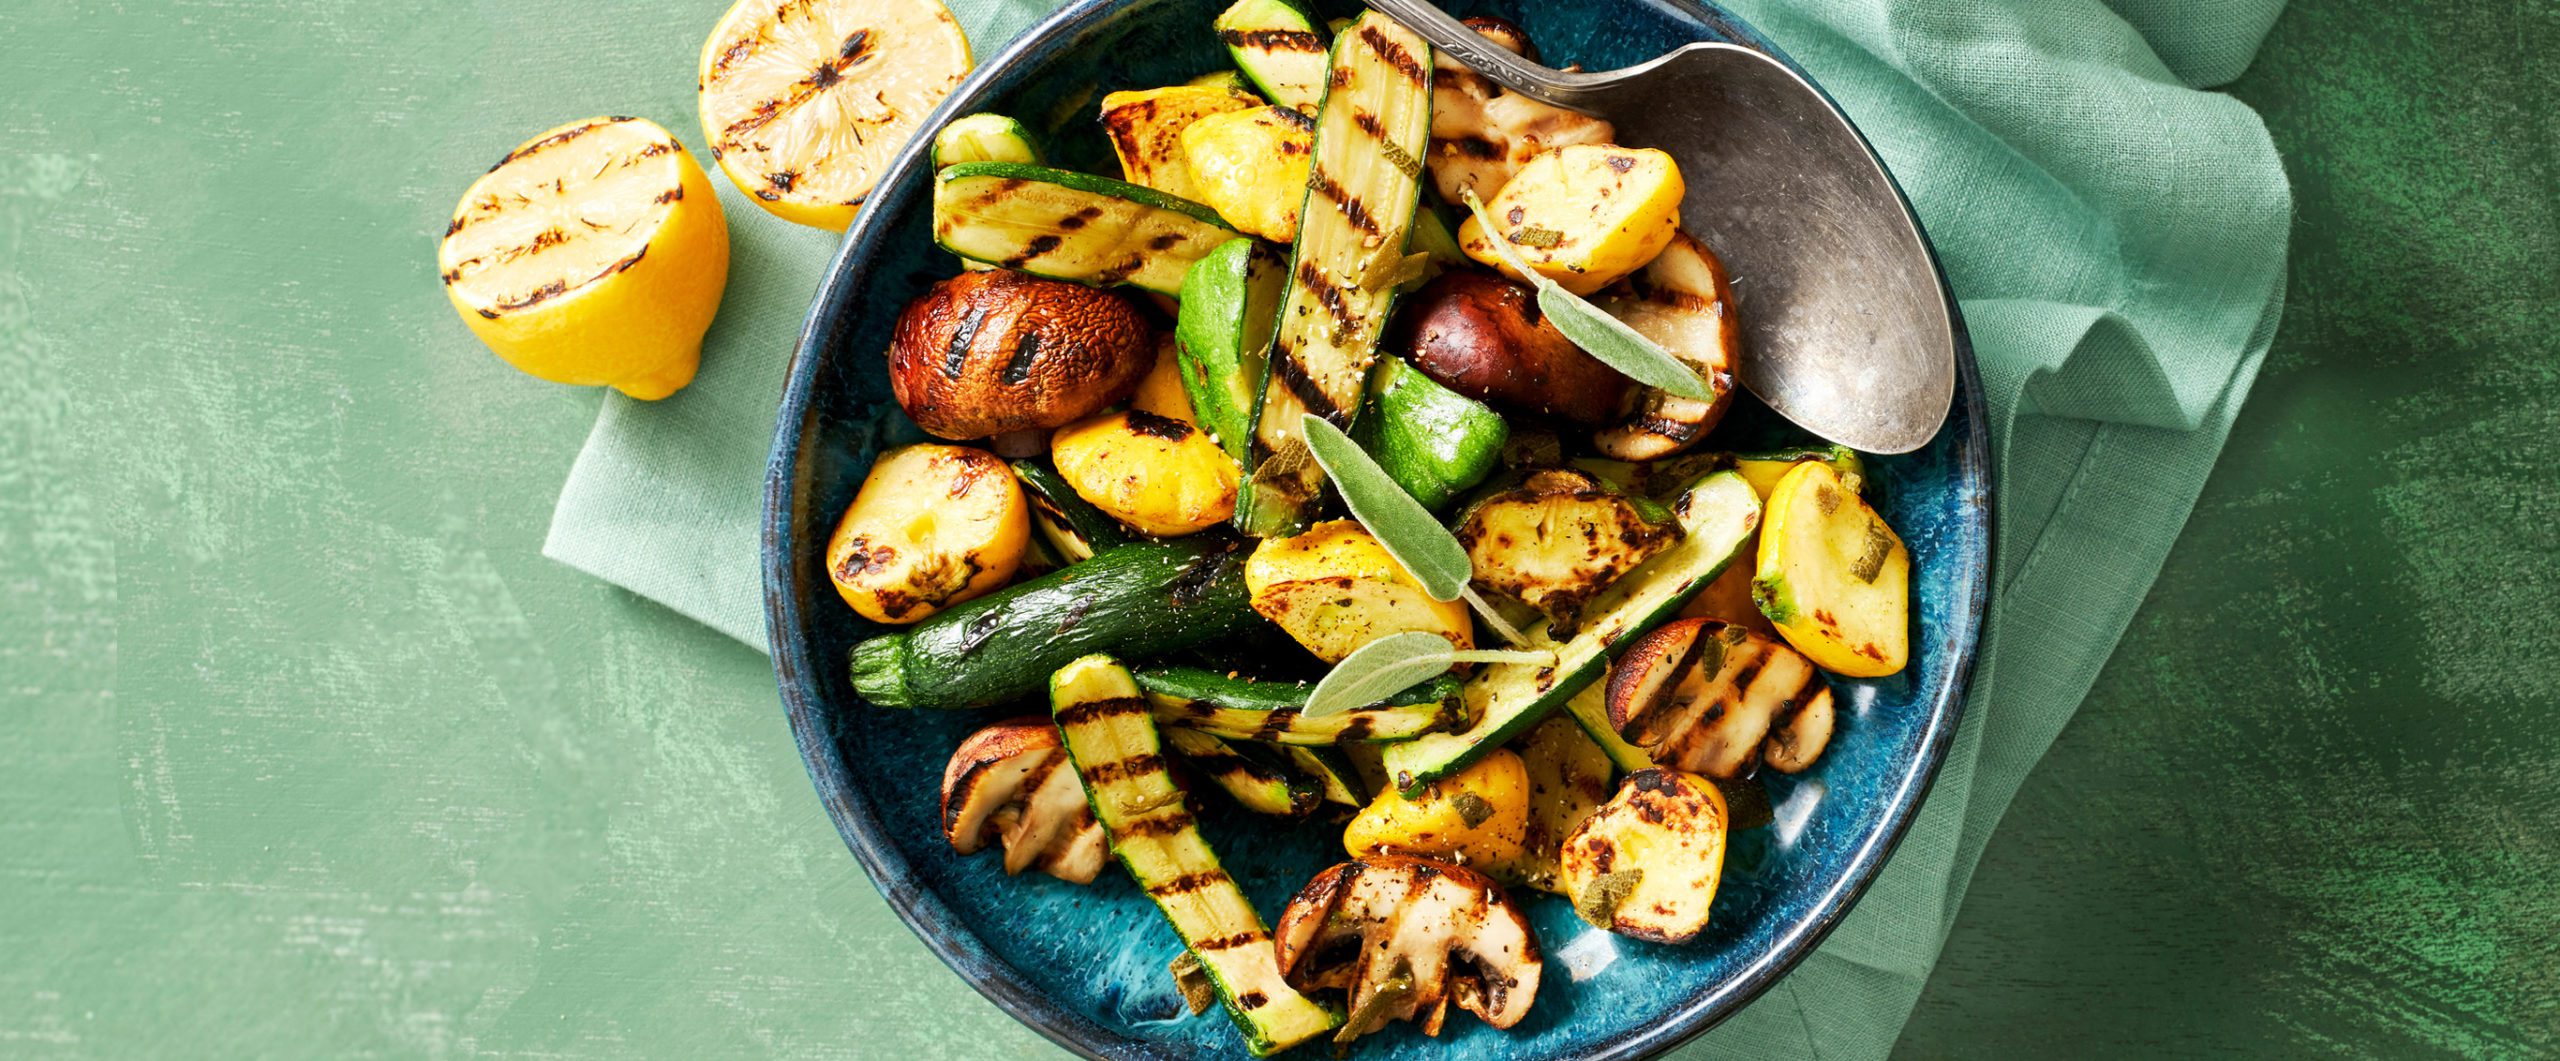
x: 305, y: 751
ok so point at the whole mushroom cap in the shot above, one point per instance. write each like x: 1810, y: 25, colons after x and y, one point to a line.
x: 987, y: 353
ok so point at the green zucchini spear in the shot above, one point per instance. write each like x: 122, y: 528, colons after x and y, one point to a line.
x: 1230, y: 303
x: 1715, y: 516
x: 1071, y: 226
x: 1120, y: 758
x: 1370, y: 139
x: 1143, y: 597
x: 1243, y: 709
x: 1278, y: 46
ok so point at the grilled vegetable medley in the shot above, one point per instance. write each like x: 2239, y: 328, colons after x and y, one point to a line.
x: 1352, y: 451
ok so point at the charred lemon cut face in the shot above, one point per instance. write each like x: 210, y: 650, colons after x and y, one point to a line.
x: 592, y: 254
x: 806, y: 101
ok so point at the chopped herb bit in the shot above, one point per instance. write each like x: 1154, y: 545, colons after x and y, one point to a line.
x: 1192, y: 979
x: 1599, y: 902
x: 1472, y: 809
x: 1534, y: 236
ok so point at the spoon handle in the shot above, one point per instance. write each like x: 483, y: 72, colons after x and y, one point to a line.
x: 1542, y: 83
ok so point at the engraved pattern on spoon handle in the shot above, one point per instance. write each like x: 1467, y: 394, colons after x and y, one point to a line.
x: 1542, y: 83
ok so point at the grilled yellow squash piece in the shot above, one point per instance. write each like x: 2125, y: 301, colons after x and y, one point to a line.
x: 1146, y: 128
x: 1335, y: 589
x: 933, y: 526
x: 1477, y: 817
x: 1647, y: 863
x: 1251, y: 167
x: 1583, y: 215
x: 1833, y: 577
x: 1156, y: 473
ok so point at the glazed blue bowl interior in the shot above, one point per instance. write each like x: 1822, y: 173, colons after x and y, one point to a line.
x: 1086, y: 965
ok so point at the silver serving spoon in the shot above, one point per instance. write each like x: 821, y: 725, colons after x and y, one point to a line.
x: 1848, y: 329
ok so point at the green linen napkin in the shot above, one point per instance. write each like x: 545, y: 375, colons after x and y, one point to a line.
x: 2117, y: 238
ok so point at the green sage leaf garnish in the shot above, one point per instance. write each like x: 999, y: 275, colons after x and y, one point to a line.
x: 1592, y: 328
x: 1378, y: 670
x: 1426, y: 549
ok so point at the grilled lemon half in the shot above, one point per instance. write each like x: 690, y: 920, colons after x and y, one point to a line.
x: 806, y: 101
x: 592, y: 254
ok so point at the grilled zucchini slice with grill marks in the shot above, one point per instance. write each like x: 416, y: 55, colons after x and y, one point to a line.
x: 1279, y: 47
x: 1370, y: 138
x: 1505, y: 699
x: 1117, y: 753
x: 1244, y: 709
x: 1256, y: 782
x: 1071, y: 226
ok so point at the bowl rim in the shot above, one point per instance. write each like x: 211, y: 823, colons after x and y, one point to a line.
x: 959, y: 947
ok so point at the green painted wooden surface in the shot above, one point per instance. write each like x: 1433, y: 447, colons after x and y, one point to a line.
x: 2313, y: 806
x: 305, y: 751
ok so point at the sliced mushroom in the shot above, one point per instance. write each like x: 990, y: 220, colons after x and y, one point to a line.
x: 1011, y: 784
x: 1405, y: 937
x: 1702, y: 695
x: 1797, y: 739
x: 1481, y: 134
x: 1001, y: 352
x: 1648, y: 862
x: 1682, y: 300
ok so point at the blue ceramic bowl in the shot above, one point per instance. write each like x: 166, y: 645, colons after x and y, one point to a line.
x: 1086, y: 965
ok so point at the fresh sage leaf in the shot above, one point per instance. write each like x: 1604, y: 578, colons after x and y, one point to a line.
x: 1592, y: 328
x: 1400, y: 523
x: 1378, y: 670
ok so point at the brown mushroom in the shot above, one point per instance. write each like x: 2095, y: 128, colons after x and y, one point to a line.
x: 998, y: 352
x: 1405, y: 937
x: 1011, y: 783
x: 1682, y: 300
x: 1482, y: 336
x: 1703, y: 695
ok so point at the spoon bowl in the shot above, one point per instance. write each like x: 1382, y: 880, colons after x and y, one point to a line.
x: 1848, y: 328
